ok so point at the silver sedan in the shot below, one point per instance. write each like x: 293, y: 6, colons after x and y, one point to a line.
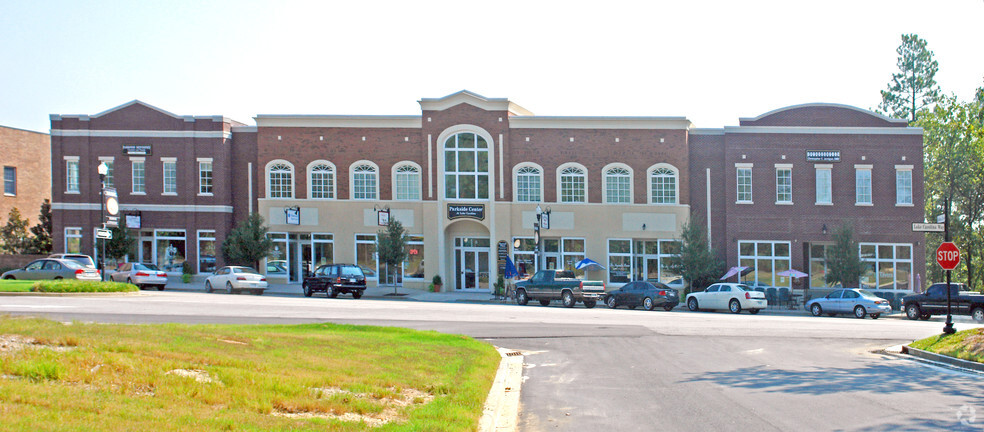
x: 52, y: 268
x: 849, y: 301
x: 140, y: 274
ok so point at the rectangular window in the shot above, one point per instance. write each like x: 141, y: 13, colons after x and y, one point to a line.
x: 204, y: 178
x: 171, y: 251
x: 206, y: 251
x: 365, y: 253
x: 903, y: 187
x: 823, y: 186
x: 744, y: 184
x: 413, y: 267
x: 324, y: 249
x: 572, y: 251
x: 528, y: 184
x: 137, y: 171
x: 619, y: 260
x: 784, y: 185
x: 572, y: 186
x: 888, y: 265
x: 170, y: 177
x: 766, y: 258
x: 72, y: 176
x: 10, y: 181
x: 407, y: 183
x: 862, y: 182
x: 73, y: 240
x: 524, y: 256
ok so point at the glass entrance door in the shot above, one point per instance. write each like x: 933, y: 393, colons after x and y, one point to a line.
x: 390, y: 275
x: 147, y: 251
x: 471, y: 263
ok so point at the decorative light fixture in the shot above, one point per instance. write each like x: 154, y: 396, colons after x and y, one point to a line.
x: 824, y: 229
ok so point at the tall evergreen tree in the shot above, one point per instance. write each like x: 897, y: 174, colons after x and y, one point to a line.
x: 13, y: 235
x: 391, y: 245
x: 41, y: 241
x: 843, y: 259
x: 697, y: 262
x: 914, y: 86
x: 122, y: 242
x: 247, y: 243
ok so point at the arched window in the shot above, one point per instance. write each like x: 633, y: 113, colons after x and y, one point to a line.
x: 663, y: 185
x: 618, y: 185
x: 407, y: 180
x: 528, y: 181
x: 364, y: 182
x: 573, y: 185
x: 280, y: 179
x: 321, y: 180
x: 466, y: 166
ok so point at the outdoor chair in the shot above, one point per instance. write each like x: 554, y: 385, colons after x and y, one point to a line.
x: 784, y: 298
x: 770, y: 296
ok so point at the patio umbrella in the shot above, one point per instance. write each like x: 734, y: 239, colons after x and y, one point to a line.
x: 733, y: 271
x: 792, y: 273
x: 510, y: 269
x: 588, y: 264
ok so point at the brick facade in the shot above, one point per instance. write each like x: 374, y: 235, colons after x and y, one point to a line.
x: 29, y: 154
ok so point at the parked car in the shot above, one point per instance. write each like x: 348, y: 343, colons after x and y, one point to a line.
x: 53, y: 268
x: 85, y: 260
x: 235, y: 279
x: 335, y: 279
x: 858, y: 301
x: 649, y: 295
x: 729, y: 296
x: 140, y: 274
x: 547, y: 285
x: 933, y: 302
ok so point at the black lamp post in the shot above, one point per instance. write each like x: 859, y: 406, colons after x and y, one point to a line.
x: 536, y: 237
x: 948, y: 327
x: 103, y: 169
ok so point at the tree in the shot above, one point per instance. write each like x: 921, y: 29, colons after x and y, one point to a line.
x: 247, y: 243
x: 122, y: 242
x: 41, y: 242
x: 914, y: 86
x: 391, y: 245
x: 13, y: 235
x: 697, y: 262
x: 843, y: 259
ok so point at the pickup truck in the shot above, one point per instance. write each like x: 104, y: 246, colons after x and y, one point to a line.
x: 933, y: 302
x: 547, y: 285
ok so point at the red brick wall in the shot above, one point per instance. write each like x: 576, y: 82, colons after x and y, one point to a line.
x: 821, y: 116
x: 30, y: 153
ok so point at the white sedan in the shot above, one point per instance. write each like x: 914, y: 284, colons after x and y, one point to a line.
x: 235, y: 279
x: 729, y: 296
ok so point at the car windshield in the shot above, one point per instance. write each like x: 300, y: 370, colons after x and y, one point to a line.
x: 145, y: 267
x: 868, y: 294
x: 246, y: 270
x: 744, y: 287
x: 351, y: 271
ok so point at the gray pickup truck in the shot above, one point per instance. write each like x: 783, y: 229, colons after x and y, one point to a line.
x: 547, y: 285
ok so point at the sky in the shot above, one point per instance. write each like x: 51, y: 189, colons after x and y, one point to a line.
x: 710, y: 61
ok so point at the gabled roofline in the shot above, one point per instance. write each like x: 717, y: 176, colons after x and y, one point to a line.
x: 825, y: 104
x: 87, y: 117
x: 474, y: 99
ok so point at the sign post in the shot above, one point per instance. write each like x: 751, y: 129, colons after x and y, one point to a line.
x: 948, y: 256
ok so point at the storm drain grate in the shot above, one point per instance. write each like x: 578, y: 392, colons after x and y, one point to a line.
x: 513, y: 354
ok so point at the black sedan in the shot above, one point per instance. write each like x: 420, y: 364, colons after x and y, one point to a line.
x: 649, y: 295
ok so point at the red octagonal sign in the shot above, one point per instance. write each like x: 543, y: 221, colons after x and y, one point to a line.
x: 948, y: 256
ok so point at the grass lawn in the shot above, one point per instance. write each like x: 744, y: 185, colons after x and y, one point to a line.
x: 172, y: 377
x: 966, y: 345
x: 64, y: 286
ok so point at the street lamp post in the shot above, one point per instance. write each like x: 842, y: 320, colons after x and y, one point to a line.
x: 536, y: 237
x: 103, y: 169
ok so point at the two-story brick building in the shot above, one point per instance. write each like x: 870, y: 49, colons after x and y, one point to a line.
x: 467, y: 176
x: 26, y: 165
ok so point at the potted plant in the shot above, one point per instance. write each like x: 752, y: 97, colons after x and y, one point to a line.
x: 437, y: 283
x: 186, y: 271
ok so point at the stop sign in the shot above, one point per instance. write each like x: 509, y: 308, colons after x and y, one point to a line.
x: 948, y: 256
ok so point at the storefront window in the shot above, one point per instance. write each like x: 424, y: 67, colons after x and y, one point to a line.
x: 324, y: 249
x: 171, y: 250
x: 413, y: 267
x: 619, y: 260
x: 887, y: 266
x: 73, y: 240
x: 206, y: 251
x: 573, y: 253
x: 277, y: 258
x: 365, y: 253
x: 766, y: 259
x: 524, y: 256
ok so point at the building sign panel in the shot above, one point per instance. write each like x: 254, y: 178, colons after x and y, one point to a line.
x: 136, y: 150
x: 473, y: 211
x: 502, y: 253
x: 293, y: 215
x: 133, y: 221
x: 823, y: 155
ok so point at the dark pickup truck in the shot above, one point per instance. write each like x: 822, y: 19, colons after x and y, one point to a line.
x: 547, y: 285
x: 933, y: 302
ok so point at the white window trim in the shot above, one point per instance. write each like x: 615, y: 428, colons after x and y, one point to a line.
x: 515, y: 180
x: 420, y: 180
x: 142, y: 160
x: 200, y: 162
x: 751, y: 173
x: 908, y: 168
x: 608, y: 264
x: 79, y: 236
x: 5, y: 193
x: 351, y: 177
x: 310, y: 182
x: 355, y: 250
x: 604, y: 182
x: 198, y: 247
x: 442, y: 170
x: 784, y: 167
x: 649, y: 183
x: 587, y: 176
x: 166, y: 160
x: 830, y: 169
x: 293, y: 178
x: 871, y: 184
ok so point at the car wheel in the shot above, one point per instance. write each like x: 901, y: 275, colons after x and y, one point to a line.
x: 734, y: 306
x: 356, y: 294
x: 649, y: 304
x: 229, y: 289
x: 208, y: 287
x: 544, y: 302
x: 9, y: 278
x: 521, y: 298
x: 668, y: 307
x: 912, y: 311
x: 754, y: 311
x: 330, y: 292
x: 567, y: 298
x: 692, y: 305
x: 978, y: 314
x: 860, y: 312
x: 307, y: 290
x: 816, y: 309
x: 875, y: 316
x: 610, y: 301
x: 58, y: 277
x: 590, y: 303
x: 160, y: 287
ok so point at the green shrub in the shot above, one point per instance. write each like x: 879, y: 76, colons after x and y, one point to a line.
x: 75, y: 286
x: 186, y: 278
x: 186, y: 268
x: 437, y: 280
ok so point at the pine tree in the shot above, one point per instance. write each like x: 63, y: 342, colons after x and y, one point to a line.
x: 247, y: 243
x: 843, y: 259
x: 914, y: 86
x: 391, y: 245
x: 40, y: 243
x: 13, y: 235
x: 697, y: 262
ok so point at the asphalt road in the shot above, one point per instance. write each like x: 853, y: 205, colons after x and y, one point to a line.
x: 632, y: 370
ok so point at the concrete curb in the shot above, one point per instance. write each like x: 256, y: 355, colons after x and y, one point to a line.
x: 939, y: 359
x: 501, y: 412
x: 70, y: 294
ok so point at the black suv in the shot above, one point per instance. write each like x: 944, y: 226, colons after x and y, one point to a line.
x: 335, y: 279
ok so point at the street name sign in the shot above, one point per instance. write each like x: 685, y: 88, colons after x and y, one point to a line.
x: 927, y: 227
x: 104, y: 234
